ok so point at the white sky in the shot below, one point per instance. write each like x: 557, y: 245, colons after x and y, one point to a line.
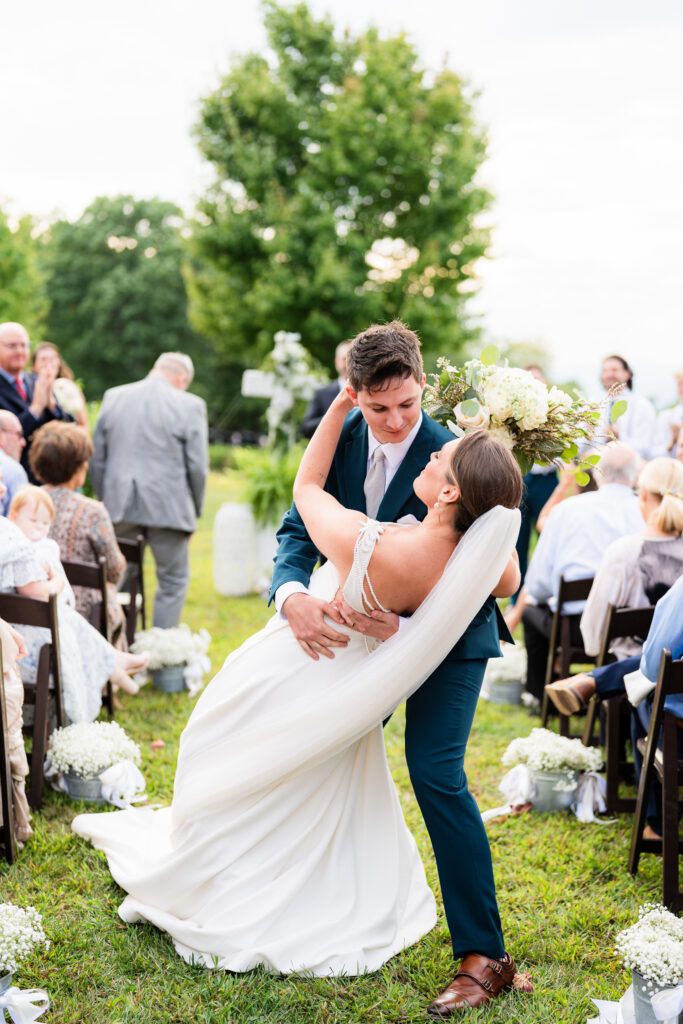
x: 583, y: 104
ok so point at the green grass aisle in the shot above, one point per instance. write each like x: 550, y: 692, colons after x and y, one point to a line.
x: 563, y: 887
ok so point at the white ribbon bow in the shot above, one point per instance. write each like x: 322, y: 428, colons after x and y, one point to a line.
x: 24, y: 1006
x: 123, y: 784
x: 666, y: 1006
x: 589, y: 799
x: 517, y: 786
x: 194, y: 674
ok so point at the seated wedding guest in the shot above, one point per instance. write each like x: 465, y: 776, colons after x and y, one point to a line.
x: 670, y: 422
x: 572, y: 545
x: 47, y: 357
x: 29, y: 395
x: 324, y: 396
x: 13, y: 649
x: 11, y: 445
x: 87, y: 659
x: 81, y: 526
x: 666, y: 631
x: 539, y: 484
x: 636, y: 427
x: 635, y: 572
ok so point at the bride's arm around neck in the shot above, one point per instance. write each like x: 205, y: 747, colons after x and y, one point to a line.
x: 332, y: 528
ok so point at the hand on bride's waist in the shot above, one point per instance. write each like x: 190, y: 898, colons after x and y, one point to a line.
x: 378, y: 625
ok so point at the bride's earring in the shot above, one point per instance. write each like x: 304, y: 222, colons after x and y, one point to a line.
x: 437, y: 504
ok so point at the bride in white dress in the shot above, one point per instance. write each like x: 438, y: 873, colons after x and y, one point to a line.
x: 285, y: 845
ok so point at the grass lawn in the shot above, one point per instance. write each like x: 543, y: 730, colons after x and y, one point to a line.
x: 563, y: 887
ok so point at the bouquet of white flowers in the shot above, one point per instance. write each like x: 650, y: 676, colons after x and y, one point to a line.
x: 87, y: 748
x: 21, y: 931
x: 538, y: 424
x: 176, y: 646
x: 653, y: 947
x: 545, y: 751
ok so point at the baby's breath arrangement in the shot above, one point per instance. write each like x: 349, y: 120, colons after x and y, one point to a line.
x: 21, y: 931
x: 87, y: 748
x: 538, y: 424
x: 544, y: 750
x: 653, y: 946
x: 176, y: 646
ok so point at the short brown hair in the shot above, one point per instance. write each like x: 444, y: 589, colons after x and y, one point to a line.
x: 381, y: 354
x: 486, y: 473
x: 58, y: 451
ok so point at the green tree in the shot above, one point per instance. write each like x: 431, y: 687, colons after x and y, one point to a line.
x: 344, y: 194
x: 21, y: 290
x: 116, y: 291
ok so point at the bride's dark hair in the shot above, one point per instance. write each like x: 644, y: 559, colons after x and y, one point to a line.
x: 486, y: 474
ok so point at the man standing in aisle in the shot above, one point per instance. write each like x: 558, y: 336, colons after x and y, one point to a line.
x: 150, y: 467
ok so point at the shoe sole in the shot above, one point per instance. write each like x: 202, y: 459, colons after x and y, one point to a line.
x: 566, y: 701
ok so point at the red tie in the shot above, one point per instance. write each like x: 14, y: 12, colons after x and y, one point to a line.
x: 20, y: 387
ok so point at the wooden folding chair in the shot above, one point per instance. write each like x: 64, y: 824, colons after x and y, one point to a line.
x: 620, y: 623
x: 94, y: 575
x: 132, y: 596
x: 7, y: 840
x: 665, y: 765
x: 561, y: 647
x: 29, y: 611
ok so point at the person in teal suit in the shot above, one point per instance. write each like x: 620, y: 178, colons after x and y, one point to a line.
x: 390, y: 437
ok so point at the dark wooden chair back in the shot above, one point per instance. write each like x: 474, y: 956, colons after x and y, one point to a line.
x: 29, y: 611
x: 134, y: 586
x: 94, y: 575
x: 561, y: 645
x: 665, y: 765
x: 620, y: 623
x: 7, y: 839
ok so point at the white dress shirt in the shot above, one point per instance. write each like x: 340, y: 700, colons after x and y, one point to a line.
x: 394, y: 455
x: 663, y: 443
x: 575, y: 537
x: 637, y: 425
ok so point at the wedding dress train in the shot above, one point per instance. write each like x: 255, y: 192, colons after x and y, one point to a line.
x: 285, y: 844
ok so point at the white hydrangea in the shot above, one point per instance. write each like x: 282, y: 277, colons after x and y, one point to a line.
x: 503, y: 435
x: 21, y: 930
x: 516, y: 394
x: 544, y: 750
x: 653, y: 947
x: 175, y: 646
x: 87, y: 748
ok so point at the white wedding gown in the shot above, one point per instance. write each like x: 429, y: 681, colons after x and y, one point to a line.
x: 285, y: 844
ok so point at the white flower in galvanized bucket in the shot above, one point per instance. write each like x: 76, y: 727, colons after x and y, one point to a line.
x: 87, y: 748
x: 21, y: 931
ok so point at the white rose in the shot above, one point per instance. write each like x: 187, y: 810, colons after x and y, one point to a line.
x: 477, y: 422
x: 503, y: 435
x: 558, y: 397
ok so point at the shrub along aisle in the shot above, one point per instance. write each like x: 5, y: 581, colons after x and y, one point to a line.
x: 563, y: 888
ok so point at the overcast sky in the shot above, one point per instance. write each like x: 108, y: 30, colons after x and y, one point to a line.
x: 583, y: 103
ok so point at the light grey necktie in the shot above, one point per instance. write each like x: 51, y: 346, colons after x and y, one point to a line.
x: 375, y: 483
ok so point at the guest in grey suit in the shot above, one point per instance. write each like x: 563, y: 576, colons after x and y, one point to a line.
x: 149, y: 469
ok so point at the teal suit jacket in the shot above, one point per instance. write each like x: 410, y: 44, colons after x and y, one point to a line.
x: 297, y: 555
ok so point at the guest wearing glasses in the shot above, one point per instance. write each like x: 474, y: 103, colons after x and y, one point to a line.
x: 30, y: 396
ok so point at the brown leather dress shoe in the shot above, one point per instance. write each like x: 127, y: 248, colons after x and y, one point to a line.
x: 571, y: 695
x: 478, y: 981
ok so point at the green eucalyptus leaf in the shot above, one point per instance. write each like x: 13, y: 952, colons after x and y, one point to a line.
x: 470, y: 407
x: 570, y: 452
x: 582, y: 478
x: 490, y: 355
x: 524, y: 461
x: 444, y: 379
x: 618, y: 409
x: 471, y: 393
x: 591, y: 460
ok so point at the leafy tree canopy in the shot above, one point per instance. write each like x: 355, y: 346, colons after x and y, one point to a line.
x: 21, y: 296
x: 116, y: 291
x: 345, y: 194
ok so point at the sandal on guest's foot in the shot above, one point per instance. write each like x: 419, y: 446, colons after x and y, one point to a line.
x: 478, y: 981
